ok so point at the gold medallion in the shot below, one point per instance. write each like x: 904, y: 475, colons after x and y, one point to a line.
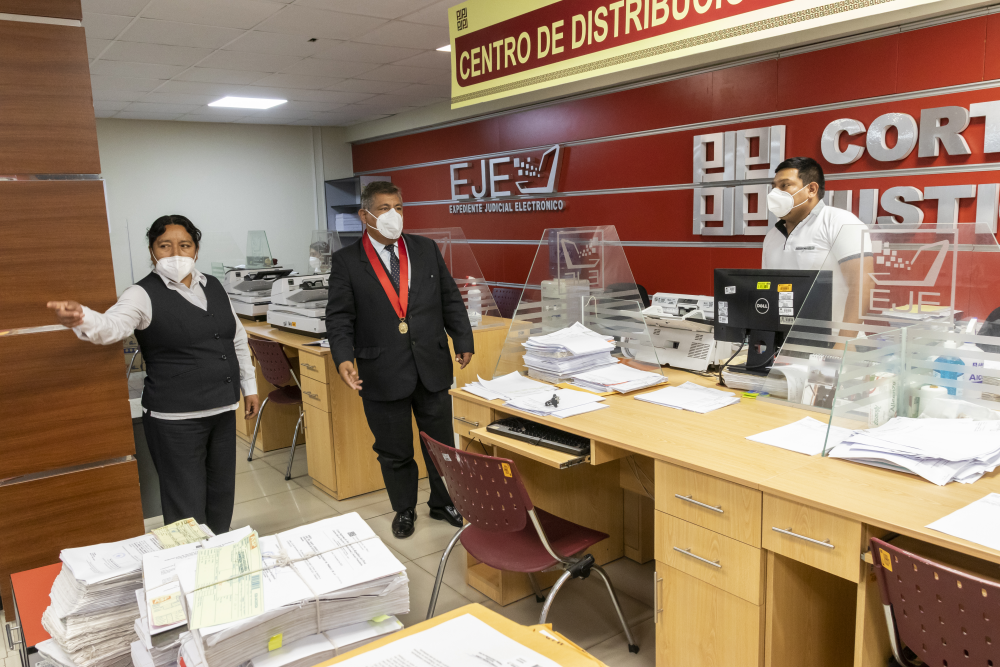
x: 403, y: 327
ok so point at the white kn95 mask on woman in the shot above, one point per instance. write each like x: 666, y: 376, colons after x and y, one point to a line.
x: 781, y: 203
x: 389, y: 224
x: 175, y: 268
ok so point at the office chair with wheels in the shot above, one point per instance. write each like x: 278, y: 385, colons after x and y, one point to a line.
x: 276, y: 369
x: 936, y: 615
x: 506, y: 299
x: 506, y: 532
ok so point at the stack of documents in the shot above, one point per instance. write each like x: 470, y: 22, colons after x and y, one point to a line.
x: 939, y: 450
x: 619, y: 378
x: 506, y: 387
x: 557, y: 356
x: 314, y: 649
x: 557, y: 403
x: 144, y: 654
x: 690, y: 396
x: 348, y: 222
x: 806, y: 436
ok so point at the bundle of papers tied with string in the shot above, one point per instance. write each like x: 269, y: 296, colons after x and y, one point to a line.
x: 237, y: 596
x: 557, y: 356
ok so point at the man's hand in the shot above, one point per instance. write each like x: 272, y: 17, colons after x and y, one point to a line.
x: 252, y: 405
x: 463, y: 359
x: 70, y: 313
x: 350, y: 376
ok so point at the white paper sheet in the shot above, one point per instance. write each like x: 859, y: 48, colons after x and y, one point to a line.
x: 690, y: 396
x: 977, y: 522
x: 479, y: 390
x: 101, y: 562
x: 568, y: 399
x: 805, y: 436
x: 514, y: 385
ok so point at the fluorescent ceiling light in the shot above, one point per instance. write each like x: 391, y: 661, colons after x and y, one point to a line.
x: 246, y: 102
x: 446, y: 47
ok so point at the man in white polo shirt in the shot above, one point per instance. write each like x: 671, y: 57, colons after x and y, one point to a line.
x: 809, y: 232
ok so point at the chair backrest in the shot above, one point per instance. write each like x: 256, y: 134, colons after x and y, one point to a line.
x: 486, y: 490
x: 943, y: 615
x: 273, y: 362
x: 506, y: 299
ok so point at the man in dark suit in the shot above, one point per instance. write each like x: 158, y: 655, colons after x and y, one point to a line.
x: 391, y: 301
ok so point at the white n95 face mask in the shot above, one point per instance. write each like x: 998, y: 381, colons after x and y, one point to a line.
x: 315, y: 263
x: 781, y: 203
x: 389, y: 224
x: 175, y: 268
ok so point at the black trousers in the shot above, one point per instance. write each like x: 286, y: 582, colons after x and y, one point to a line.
x: 195, y: 460
x: 393, y: 429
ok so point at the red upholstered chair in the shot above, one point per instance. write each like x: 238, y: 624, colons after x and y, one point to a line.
x: 943, y: 616
x: 505, y: 531
x: 276, y: 369
x: 506, y: 299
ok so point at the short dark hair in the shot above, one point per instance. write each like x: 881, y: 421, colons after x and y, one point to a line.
x: 159, y: 226
x: 378, y: 188
x: 809, y: 171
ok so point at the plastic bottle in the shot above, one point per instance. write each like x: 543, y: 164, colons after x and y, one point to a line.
x: 976, y: 374
x: 949, y: 375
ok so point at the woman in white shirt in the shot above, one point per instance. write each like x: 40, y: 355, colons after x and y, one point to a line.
x: 197, y: 361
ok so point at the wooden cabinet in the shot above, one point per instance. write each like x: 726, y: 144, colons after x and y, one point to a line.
x: 320, y: 454
x: 467, y: 416
x: 813, y: 537
x: 314, y: 393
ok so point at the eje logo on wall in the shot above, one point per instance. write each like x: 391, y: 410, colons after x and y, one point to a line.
x: 531, y: 175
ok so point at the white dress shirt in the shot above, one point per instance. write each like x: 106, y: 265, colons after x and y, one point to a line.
x: 383, y: 254
x: 134, y: 311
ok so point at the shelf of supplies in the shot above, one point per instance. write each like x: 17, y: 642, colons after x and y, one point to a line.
x: 549, y: 457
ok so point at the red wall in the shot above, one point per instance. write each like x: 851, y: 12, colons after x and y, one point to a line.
x: 956, y: 53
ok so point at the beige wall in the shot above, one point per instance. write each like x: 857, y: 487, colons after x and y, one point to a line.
x: 227, y: 178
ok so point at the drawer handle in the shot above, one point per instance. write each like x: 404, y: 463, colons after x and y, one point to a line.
x: 311, y: 395
x: 788, y: 531
x: 689, y: 499
x: 310, y: 367
x: 657, y: 579
x: 10, y: 638
x: 466, y: 421
x: 687, y: 552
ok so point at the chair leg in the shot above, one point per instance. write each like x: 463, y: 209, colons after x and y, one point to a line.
x: 539, y: 597
x: 295, y: 436
x: 552, y: 595
x: 632, y: 646
x: 441, y: 567
x: 256, y: 427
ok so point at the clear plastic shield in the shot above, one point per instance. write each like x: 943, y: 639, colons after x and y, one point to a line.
x: 218, y: 253
x: 258, y: 251
x: 461, y: 262
x: 321, y: 248
x: 580, y: 276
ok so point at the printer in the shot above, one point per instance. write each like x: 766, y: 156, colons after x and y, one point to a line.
x: 298, y: 304
x: 249, y: 290
x: 681, y: 328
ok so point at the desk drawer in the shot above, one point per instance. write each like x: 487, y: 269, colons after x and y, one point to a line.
x: 313, y: 367
x: 814, y: 537
x: 468, y: 416
x: 710, y: 502
x: 315, y: 393
x: 718, y: 560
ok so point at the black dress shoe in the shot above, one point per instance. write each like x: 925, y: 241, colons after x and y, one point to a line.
x: 402, y: 525
x: 447, y: 513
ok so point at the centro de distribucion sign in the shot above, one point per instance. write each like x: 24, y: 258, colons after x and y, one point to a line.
x: 507, y: 47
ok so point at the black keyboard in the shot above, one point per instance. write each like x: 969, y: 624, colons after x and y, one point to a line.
x: 541, y: 435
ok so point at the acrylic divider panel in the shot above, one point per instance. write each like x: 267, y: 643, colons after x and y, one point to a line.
x: 258, y: 251
x: 218, y: 252
x: 322, y: 245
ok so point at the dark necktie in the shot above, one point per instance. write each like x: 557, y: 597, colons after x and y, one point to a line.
x: 393, y: 266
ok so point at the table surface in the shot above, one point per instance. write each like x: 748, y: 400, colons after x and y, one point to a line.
x: 716, y: 444
x: 31, y: 593
x: 298, y: 341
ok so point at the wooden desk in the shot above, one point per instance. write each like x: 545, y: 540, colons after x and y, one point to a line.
x: 563, y: 651
x: 339, y: 455
x: 777, y: 600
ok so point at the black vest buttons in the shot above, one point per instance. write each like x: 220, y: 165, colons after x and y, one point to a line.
x: 229, y: 380
x: 223, y: 357
x: 216, y: 336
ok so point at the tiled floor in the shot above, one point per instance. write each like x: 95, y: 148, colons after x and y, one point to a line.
x: 582, y: 612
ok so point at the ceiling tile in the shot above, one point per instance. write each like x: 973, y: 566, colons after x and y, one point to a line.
x: 266, y: 121
x: 155, y: 31
x: 123, y: 83
x: 224, y: 114
x: 211, y: 75
x: 148, y: 107
x: 386, y: 9
x: 216, y: 90
x: 134, y: 70
x: 362, y: 86
x: 413, y: 35
x: 436, y: 14
x: 333, y: 97
x: 317, y: 23
x: 328, y: 68
x: 297, y: 81
x: 108, y: 94
x: 286, y: 45
x: 225, y: 13
x: 160, y: 54
x: 413, y: 100
x: 311, y: 107
x: 104, y: 113
x: 367, y: 119
x: 146, y: 116
x: 366, y: 53
x: 104, y: 26
x: 120, y: 7
x: 192, y: 118
x: 425, y: 89
x: 95, y: 46
x: 389, y: 108
x: 179, y: 98
x: 402, y: 74
x: 109, y: 105
x: 428, y: 59
x: 248, y: 61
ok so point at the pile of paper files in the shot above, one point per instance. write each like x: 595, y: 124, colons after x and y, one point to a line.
x: 619, y: 378
x: 939, y: 450
x: 557, y: 356
x: 690, y: 396
x: 535, y: 397
x: 144, y: 654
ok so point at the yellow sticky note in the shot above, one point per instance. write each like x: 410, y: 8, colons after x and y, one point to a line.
x: 785, y: 288
x: 886, y: 559
x: 506, y: 470
x: 379, y: 619
x: 763, y: 285
x: 274, y: 643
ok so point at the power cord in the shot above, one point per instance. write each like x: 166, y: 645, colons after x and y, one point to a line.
x: 723, y: 366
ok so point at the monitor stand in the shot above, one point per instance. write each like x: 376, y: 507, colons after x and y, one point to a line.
x: 763, y: 349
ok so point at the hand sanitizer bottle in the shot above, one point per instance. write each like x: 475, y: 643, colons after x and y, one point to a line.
x: 949, y: 375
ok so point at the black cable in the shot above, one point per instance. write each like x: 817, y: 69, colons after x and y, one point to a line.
x: 723, y: 367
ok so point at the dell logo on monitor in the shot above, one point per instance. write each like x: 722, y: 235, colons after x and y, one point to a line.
x: 762, y: 305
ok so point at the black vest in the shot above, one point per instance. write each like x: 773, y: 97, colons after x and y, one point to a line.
x: 191, y: 362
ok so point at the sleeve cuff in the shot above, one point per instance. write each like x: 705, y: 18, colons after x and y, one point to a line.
x: 249, y: 387
x: 84, y: 330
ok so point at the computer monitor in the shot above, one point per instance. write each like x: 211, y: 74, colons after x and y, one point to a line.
x: 760, y: 306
